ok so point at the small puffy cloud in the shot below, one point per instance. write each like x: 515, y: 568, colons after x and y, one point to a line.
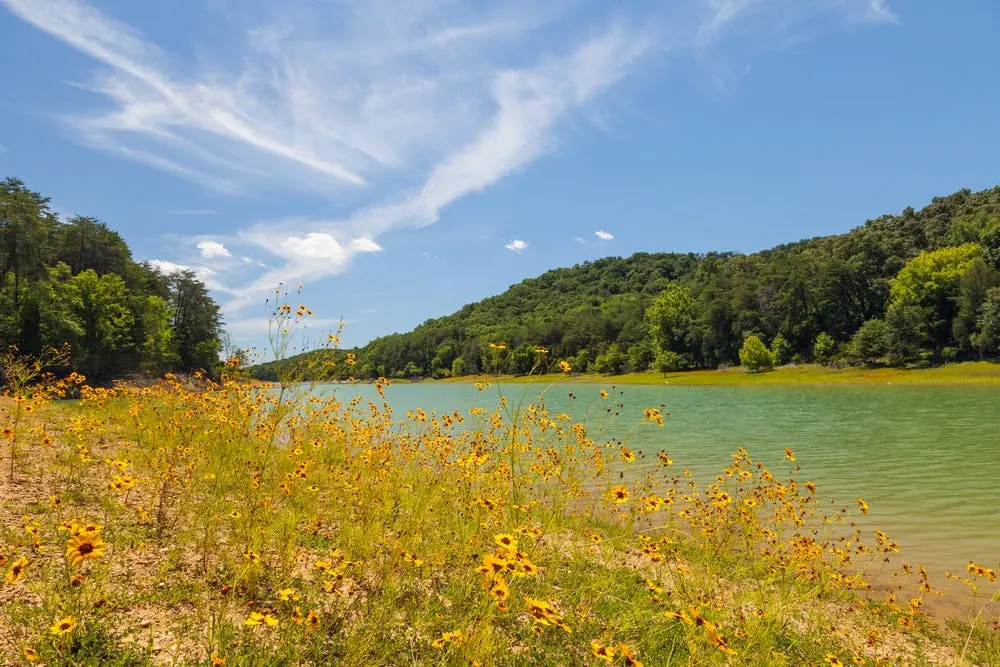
x: 166, y: 267
x: 365, y: 245
x: 604, y: 236
x: 517, y: 245
x: 212, y: 249
x: 315, y: 247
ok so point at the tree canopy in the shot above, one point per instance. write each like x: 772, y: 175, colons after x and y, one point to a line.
x: 75, y: 283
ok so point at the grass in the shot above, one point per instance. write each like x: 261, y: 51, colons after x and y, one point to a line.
x: 202, y: 523
x: 971, y: 373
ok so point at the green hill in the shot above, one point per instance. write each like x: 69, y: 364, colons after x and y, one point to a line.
x: 920, y: 284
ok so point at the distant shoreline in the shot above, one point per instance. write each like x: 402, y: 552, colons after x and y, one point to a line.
x: 965, y: 373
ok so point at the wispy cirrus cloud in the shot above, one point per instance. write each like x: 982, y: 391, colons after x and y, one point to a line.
x: 396, y: 108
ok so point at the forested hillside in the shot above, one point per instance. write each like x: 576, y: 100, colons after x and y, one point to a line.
x: 74, y: 282
x: 901, y: 288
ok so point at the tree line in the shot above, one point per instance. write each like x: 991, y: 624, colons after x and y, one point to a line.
x: 74, y: 283
x: 916, y: 287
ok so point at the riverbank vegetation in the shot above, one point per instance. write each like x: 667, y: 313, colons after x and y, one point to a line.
x: 71, y: 289
x: 909, y: 289
x: 970, y: 373
x: 223, y: 524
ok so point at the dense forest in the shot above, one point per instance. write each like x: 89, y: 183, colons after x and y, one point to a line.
x: 917, y: 287
x: 72, y: 285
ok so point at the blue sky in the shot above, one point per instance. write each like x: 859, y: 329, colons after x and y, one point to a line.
x: 404, y: 157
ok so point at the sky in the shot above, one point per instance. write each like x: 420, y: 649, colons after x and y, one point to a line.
x: 401, y: 158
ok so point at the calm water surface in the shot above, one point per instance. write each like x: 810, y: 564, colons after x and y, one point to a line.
x: 927, y: 459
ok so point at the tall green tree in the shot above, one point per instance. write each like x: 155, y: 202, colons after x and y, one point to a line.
x: 930, y: 281
x: 670, y: 316
x: 26, y: 227
x: 987, y: 338
x: 159, y: 353
x: 973, y: 287
x: 197, y: 324
x: 870, y: 343
x: 102, y: 309
x: 86, y: 243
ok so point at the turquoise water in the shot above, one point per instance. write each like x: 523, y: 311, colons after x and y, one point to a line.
x: 926, y: 459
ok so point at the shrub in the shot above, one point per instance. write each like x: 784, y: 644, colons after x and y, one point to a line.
x: 871, y: 342
x: 824, y: 347
x: 755, y: 355
x: 781, y: 349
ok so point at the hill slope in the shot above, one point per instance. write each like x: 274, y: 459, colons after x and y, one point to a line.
x: 687, y: 310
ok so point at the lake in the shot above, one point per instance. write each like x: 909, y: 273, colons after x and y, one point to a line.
x: 926, y: 459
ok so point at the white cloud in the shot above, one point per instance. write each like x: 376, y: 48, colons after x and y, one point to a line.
x: 604, y: 236
x: 203, y: 273
x: 408, y: 106
x: 211, y: 249
x: 167, y: 267
x: 579, y: 240
x: 315, y: 246
x: 517, y: 245
x: 365, y: 245
x: 323, y: 247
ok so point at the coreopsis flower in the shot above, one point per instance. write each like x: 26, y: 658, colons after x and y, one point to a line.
x: 544, y: 614
x: 653, y: 415
x: 629, y: 655
x: 506, y: 541
x: 85, y: 545
x: 288, y: 594
x: 63, y: 626
x: 16, y: 570
x: 447, y: 638
x: 602, y: 652
x: 499, y: 590
x: 619, y: 494
x: 257, y: 618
